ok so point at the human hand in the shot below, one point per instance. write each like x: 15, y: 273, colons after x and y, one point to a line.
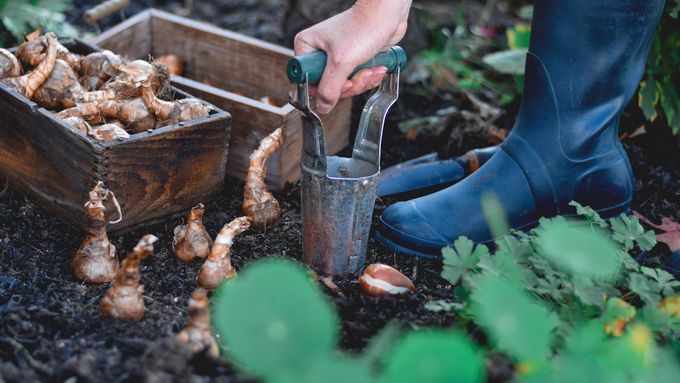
x: 350, y: 39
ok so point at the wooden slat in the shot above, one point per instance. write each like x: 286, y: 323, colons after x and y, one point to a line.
x: 49, y: 161
x: 251, y: 121
x: 167, y: 170
x: 225, y: 60
x: 132, y: 38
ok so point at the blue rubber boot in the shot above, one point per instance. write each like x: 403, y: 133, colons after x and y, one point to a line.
x: 585, y: 60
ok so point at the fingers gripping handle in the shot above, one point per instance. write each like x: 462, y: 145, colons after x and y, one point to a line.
x: 312, y: 65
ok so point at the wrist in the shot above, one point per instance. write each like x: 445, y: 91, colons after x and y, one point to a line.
x: 395, y: 9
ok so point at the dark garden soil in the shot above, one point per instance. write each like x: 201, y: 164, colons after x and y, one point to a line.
x: 51, y: 328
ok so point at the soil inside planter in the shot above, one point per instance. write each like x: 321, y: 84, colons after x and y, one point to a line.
x: 51, y: 327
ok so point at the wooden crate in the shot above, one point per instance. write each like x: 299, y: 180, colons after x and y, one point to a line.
x: 233, y: 72
x: 153, y: 173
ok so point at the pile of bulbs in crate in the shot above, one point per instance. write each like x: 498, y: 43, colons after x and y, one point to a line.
x: 107, y: 97
x: 101, y: 94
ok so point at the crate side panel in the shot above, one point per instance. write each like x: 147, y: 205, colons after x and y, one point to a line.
x: 249, y: 125
x: 223, y: 60
x: 131, y: 38
x: 167, y: 171
x: 54, y: 165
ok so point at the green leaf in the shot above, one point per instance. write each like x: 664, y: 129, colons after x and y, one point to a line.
x: 617, y: 312
x: 503, y: 265
x: 21, y: 17
x: 670, y: 103
x: 659, y: 321
x: 526, y: 12
x: 589, y: 214
x: 586, y: 340
x: 575, y: 314
x: 518, y: 249
x: 329, y: 369
x: 551, y: 282
x: 629, y: 263
x: 517, y: 323
x: 675, y: 10
x: 460, y: 259
x: 272, y: 320
x: 437, y: 356
x: 666, y: 283
x: 579, y: 250
x: 381, y: 344
x: 507, y: 62
x: 592, y: 292
x: 495, y: 216
x: 518, y: 36
x: 646, y: 289
x: 648, y: 97
x: 469, y: 84
x: 666, y: 367
x: 628, y: 231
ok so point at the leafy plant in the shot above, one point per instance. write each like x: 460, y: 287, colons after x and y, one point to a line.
x: 21, y: 17
x: 511, y: 61
x: 658, y: 95
x: 568, y: 303
x: 461, y: 258
x: 455, y: 61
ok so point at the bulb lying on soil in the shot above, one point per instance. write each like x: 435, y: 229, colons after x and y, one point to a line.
x: 197, y: 333
x: 29, y: 83
x: 218, y: 266
x: 378, y: 280
x: 9, y: 65
x: 258, y: 203
x: 191, y: 239
x: 95, y: 260
x: 124, y: 299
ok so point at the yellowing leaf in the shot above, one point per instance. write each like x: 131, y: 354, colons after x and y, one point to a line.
x: 671, y: 305
x: 616, y: 315
x: 648, y: 98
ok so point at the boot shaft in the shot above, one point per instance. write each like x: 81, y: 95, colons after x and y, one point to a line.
x: 586, y: 58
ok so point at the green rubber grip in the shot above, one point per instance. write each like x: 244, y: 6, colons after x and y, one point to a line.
x: 312, y: 65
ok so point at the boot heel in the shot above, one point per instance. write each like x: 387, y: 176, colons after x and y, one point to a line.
x: 608, y: 189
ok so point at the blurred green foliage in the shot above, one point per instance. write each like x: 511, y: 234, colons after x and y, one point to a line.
x: 275, y: 324
x: 658, y: 94
x: 21, y: 17
x: 456, y: 61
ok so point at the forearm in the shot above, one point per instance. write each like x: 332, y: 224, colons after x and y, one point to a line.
x: 391, y: 9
